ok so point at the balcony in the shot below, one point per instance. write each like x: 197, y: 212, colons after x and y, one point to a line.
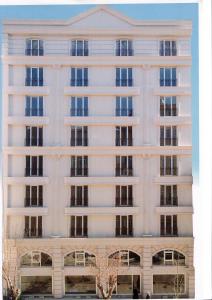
x: 27, y: 90
x: 27, y: 211
x: 101, y: 91
x: 179, y: 210
x: 30, y: 121
x: 174, y: 179
x: 173, y: 120
x: 102, y: 180
x: 33, y: 233
x: 13, y: 180
x: 101, y: 121
x: 101, y: 210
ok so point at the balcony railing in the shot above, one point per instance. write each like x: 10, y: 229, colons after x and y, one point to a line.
x: 168, y: 142
x: 28, y: 202
x: 169, y: 234
x: 33, y: 171
x: 124, y: 142
x: 79, y: 172
x: 124, y: 52
x: 169, y: 171
x: 124, y: 82
x: 168, y: 51
x: 33, y: 112
x: 79, y: 82
x: 168, y: 82
x: 79, y: 142
x: 124, y: 172
x: 120, y: 201
x: 34, y: 142
x: 79, y: 52
x: 169, y: 201
x: 33, y: 233
x: 34, y: 52
x: 168, y: 112
x: 124, y: 232
x: 33, y: 82
x: 79, y: 112
x: 124, y: 112
x: 82, y: 235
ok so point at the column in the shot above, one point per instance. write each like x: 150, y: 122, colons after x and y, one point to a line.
x: 190, y: 273
x: 57, y: 273
x: 147, y: 270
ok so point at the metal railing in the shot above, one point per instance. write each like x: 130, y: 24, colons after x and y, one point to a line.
x: 33, y: 82
x: 78, y: 172
x: 79, y: 82
x: 33, y: 172
x: 124, y: 172
x: 34, y: 142
x: 34, y: 52
x: 169, y: 201
x: 168, y: 82
x: 78, y: 112
x: 124, y: 142
x: 79, y: 142
x: 33, y: 233
x: 168, y: 141
x: 33, y: 112
x: 169, y: 171
x: 124, y: 82
x: 124, y: 112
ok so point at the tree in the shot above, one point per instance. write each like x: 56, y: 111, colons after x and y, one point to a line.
x: 179, y: 284
x: 9, y: 272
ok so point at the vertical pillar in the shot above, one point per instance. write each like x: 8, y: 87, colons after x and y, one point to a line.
x: 57, y: 273
x: 147, y: 271
x: 102, y: 261
x: 190, y: 273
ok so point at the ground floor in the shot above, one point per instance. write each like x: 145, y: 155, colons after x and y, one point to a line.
x: 72, y: 268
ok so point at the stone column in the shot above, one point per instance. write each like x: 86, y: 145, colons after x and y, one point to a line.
x: 190, y: 273
x: 147, y: 270
x: 58, y: 273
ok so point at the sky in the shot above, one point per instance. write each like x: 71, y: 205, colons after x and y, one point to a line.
x: 188, y: 11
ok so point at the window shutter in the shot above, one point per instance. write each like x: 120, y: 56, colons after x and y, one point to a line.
x: 40, y: 195
x: 27, y: 166
x: 40, y: 77
x: 162, y: 167
x: 174, y: 48
x: 130, y: 79
x: 130, y: 138
x: 175, y: 231
x: 118, y: 48
x: 130, y: 195
x: 73, y: 136
x: 40, y: 141
x: 117, y: 225
x: 40, y: 165
x: 73, y: 80
x: 161, y: 52
x: 73, y: 165
x: 130, y: 48
x: 27, y: 196
x: 162, y: 136
x: 130, y: 225
x: 27, y: 110
x: 85, y: 225
x: 28, y: 47
x: 174, y: 158
x: 174, y: 79
x: 85, y: 195
x: 162, y: 195
x: 118, y: 108
x: 40, y: 226
x: 27, y: 142
x: 41, y: 48
x: 73, y: 200
x: 162, y: 79
x: 118, y: 195
x: 86, y: 48
x: 85, y: 128
x: 118, y: 79
x: 118, y: 143
x: 72, y: 231
x: 73, y: 47
x: 175, y: 202
x: 118, y: 171
x: 26, y: 230
x: 162, y: 225
x: 130, y: 164
x: 85, y: 106
x: 85, y: 76
x: 28, y: 76
x: 85, y: 165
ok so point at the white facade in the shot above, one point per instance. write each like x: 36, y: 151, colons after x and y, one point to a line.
x: 101, y: 27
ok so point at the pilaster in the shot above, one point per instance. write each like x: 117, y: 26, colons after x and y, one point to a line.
x: 58, y: 272
x: 147, y: 270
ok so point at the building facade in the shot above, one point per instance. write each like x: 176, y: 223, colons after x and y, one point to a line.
x: 97, y: 153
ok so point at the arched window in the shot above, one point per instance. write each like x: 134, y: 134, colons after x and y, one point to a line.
x: 79, y: 258
x: 127, y: 258
x: 36, y: 259
x: 168, y: 257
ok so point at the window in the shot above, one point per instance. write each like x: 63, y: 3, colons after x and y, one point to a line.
x: 34, y: 136
x: 32, y: 284
x: 79, y: 106
x: 168, y: 195
x: 79, y: 136
x: 34, y: 47
x: 168, y: 106
x: 34, y: 166
x: 168, y: 257
x: 124, y: 166
x: 79, y: 48
x: 34, y: 196
x: 168, y: 48
x: 124, y: 225
x: 34, y: 106
x: 79, y: 258
x: 79, y: 76
x: 124, y: 77
x: 124, y: 106
x: 34, y: 76
x: 36, y: 259
x: 124, y: 136
x: 124, y: 195
x: 168, y: 284
x: 79, y: 226
x: 79, y: 165
x: 127, y: 258
x: 79, y: 195
x: 126, y: 284
x: 124, y: 48
x: 168, y: 136
x: 33, y: 227
x: 168, y: 225
x: 168, y: 77
x: 80, y: 284
x: 168, y: 165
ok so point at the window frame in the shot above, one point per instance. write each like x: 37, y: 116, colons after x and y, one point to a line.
x: 119, y: 80
x: 120, y: 48
x: 74, y: 50
x: 38, y: 100
x: 164, y: 135
x: 75, y: 103
x: 165, y: 221
x: 172, y: 79
x: 165, y: 109
x: 40, y: 46
x: 120, y: 104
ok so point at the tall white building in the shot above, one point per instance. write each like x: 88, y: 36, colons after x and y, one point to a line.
x: 97, y: 153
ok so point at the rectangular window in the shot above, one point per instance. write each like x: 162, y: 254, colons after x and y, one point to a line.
x: 168, y: 77
x: 33, y: 226
x: 168, y: 48
x: 79, y: 106
x: 124, y: 166
x: 34, y: 106
x: 34, y: 166
x: 34, y: 196
x: 79, y: 48
x: 168, y: 106
x: 124, y: 136
x: 124, y: 195
x: 168, y: 165
x: 79, y: 135
x: 124, y: 77
x: 124, y: 106
x: 79, y: 166
x: 124, y: 48
x: 169, y: 284
x: 126, y: 284
x: 79, y: 226
x: 34, y: 76
x: 124, y: 225
x: 80, y: 284
x: 34, y: 47
x: 168, y: 136
x: 168, y: 225
x: 79, y: 195
x: 32, y: 284
x: 168, y: 195
x: 79, y: 76
x: 34, y: 136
